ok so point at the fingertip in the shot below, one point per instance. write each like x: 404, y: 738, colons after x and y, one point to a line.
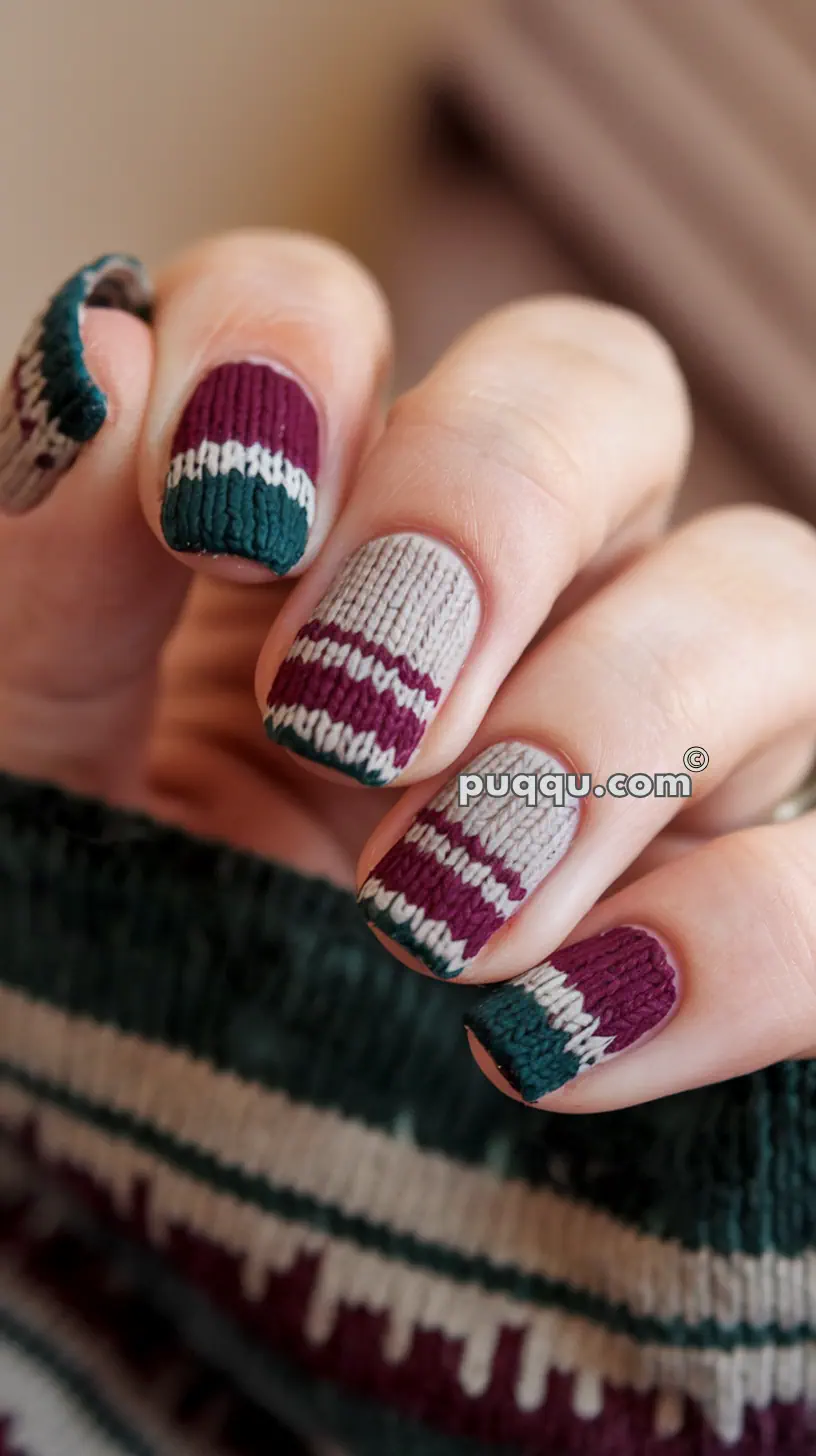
x: 400, y: 953
x: 53, y: 406
x: 270, y: 356
x: 118, y: 351
x: 560, y: 1100
x: 488, y: 1067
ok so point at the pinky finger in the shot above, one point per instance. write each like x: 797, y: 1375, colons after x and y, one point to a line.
x: 703, y: 970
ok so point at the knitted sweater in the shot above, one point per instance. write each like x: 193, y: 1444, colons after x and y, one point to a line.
x: 251, y: 1176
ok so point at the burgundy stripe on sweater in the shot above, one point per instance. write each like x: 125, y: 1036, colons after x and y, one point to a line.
x: 425, y: 1384
x: 255, y: 405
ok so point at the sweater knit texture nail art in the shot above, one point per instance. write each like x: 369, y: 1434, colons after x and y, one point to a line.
x: 50, y: 406
x: 367, y: 672
x: 250, y: 1173
x: 587, y: 1002
x: 460, y: 871
x: 244, y: 462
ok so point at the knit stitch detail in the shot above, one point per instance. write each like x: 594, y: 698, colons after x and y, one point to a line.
x: 50, y: 406
x: 338, y: 1022
x: 590, y: 1000
x: 293, y: 1125
x: 630, y: 1423
x: 382, y: 919
x: 204, y: 1175
x: 468, y: 1359
x: 241, y: 479
x: 460, y: 871
x: 288, y: 737
x: 366, y: 674
x: 233, y: 515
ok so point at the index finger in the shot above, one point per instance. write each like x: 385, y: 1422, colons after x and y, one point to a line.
x: 270, y: 353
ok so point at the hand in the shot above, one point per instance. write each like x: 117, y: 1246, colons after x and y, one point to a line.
x: 480, y: 582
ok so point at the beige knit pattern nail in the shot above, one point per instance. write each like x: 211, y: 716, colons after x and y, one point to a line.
x: 368, y: 671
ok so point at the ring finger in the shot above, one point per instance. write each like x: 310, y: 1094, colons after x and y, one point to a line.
x: 701, y: 643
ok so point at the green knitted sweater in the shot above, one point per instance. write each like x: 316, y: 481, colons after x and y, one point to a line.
x: 234, y: 1126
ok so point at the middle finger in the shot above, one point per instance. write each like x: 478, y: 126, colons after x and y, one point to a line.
x: 550, y: 429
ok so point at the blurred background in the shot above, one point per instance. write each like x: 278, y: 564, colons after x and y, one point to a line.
x: 144, y: 126
x: 656, y: 154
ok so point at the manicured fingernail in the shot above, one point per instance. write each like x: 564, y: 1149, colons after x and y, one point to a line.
x: 586, y: 1003
x: 366, y: 674
x: 50, y: 406
x: 243, y: 468
x: 462, y: 869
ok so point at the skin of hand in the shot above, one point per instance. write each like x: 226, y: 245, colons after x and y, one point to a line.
x: 212, y: 525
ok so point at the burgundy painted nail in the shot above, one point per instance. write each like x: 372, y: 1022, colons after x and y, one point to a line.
x: 244, y: 462
x: 589, y: 1001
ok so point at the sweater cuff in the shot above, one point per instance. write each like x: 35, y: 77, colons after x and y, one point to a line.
x: 243, y: 962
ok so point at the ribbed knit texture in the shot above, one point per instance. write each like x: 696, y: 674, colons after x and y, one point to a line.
x: 367, y: 672
x: 284, y: 1132
x: 50, y: 406
x: 241, y: 480
x: 461, y: 870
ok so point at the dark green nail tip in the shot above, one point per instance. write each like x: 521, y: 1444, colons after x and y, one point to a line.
x: 530, y: 1053
x: 287, y: 737
x: 75, y: 401
x: 401, y: 935
x: 232, y: 515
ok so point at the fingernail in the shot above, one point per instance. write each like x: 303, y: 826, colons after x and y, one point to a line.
x: 461, y: 871
x: 588, y: 1002
x: 366, y: 674
x: 50, y: 406
x: 243, y: 468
